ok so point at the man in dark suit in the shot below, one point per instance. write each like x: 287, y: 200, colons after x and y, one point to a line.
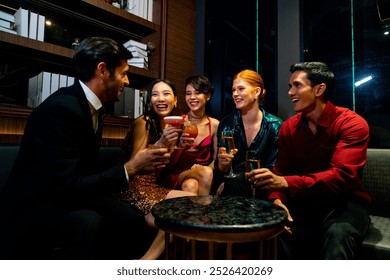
x: 55, y: 203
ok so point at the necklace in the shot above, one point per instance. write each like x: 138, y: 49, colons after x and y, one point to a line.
x: 195, y: 117
x: 191, y: 117
x: 198, y: 120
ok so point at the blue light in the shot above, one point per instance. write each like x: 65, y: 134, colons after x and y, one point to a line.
x: 362, y: 81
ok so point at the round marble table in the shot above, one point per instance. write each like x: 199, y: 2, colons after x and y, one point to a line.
x: 229, y: 220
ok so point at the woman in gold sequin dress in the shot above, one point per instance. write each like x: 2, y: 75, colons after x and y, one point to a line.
x: 148, y: 131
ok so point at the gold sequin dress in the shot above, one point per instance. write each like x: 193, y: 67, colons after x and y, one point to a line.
x: 143, y: 192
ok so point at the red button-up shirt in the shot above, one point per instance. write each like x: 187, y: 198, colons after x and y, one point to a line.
x: 327, y: 164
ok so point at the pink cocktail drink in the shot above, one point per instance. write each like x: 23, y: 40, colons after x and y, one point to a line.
x: 174, y: 120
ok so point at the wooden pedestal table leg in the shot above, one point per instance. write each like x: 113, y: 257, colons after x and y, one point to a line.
x: 167, y: 245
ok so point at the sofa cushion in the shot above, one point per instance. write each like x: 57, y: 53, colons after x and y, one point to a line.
x: 8, y: 155
x: 108, y: 157
x: 376, y: 178
x: 376, y: 244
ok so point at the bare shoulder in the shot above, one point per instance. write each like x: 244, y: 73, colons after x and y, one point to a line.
x: 214, y: 124
x: 140, y: 120
x: 139, y: 125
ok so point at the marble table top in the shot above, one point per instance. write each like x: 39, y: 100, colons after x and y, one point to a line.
x: 213, y: 213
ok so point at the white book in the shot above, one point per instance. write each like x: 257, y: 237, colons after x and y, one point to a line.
x: 55, y: 82
x: 63, y: 81
x: 33, y: 25
x: 145, y: 13
x: 150, y: 10
x: 131, y: 6
x: 21, y: 22
x: 7, y: 16
x: 33, y: 93
x: 139, y: 54
x: 137, y: 100
x: 46, y: 81
x: 8, y: 30
x: 138, y: 50
x: 144, y: 64
x: 138, y: 60
x: 141, y: 4
x: 41, y: 28
x: 70, y: 81
x: 136, y: 9
x: 132, y: 42
x: 6, y: 24
x: 142, y: 101
x: 39, y: 88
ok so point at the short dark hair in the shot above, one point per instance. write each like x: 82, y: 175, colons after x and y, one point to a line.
x: 200, y: 83
x: 93, y: 50
x: 317, y: 73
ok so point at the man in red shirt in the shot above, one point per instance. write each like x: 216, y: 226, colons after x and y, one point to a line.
x: 317, y: 177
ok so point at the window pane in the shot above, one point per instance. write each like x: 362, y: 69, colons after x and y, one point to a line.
x: 354, y: 45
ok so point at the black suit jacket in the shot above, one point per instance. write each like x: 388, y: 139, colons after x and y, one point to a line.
x: 55, y: 166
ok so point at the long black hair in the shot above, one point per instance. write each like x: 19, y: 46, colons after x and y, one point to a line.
x: 150, y: 116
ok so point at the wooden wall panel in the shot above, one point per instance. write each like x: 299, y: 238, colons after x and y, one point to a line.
x: 180, y: 48
x: 13, y: 121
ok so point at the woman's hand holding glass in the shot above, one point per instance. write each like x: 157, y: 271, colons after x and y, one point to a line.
x: 169, y: 137
x: 190, y: 132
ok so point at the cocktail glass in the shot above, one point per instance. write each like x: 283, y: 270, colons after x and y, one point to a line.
x: 176, y: 121
x: 192, y: 129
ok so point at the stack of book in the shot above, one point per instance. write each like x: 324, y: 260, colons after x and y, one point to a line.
x: 44, y: 84
x: 24, y: 23
x: 7, y: 22
x: 139, y: 51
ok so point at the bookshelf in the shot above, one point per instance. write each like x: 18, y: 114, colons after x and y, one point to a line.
x: 22, y: 58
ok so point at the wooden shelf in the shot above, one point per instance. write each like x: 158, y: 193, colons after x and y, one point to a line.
x: 96, y: 13
x: 18, y: 49
x: 35, y: 45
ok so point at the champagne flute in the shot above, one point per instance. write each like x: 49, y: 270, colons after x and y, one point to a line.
x: 252, y: 162
x: 192, y: 129
x: 227, y: 137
